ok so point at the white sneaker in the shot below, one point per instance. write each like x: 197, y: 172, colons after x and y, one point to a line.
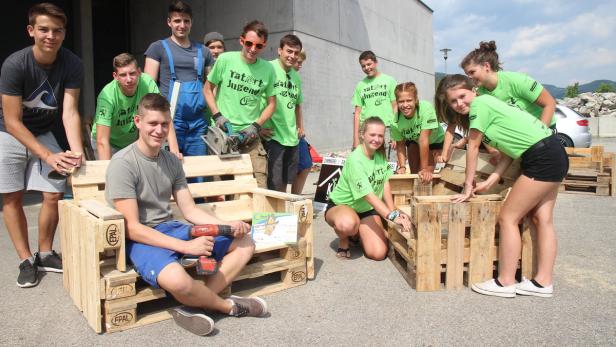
x: 490, y: 287
x: 527, y: 287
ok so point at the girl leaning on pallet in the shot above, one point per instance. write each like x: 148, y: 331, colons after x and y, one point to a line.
x: 518, y: 89
x: 418, y: 134
x: 544, y: 164
x: 362, y: 196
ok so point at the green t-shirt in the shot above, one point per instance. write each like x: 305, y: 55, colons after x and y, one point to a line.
x: 424, y: 119
x: 509, y: 129
x: 117, y: 111
x: 288, y: 91
x: 361, y: 176
x: 240, y: 88
x: 374, y: 96
x: 518, y: 89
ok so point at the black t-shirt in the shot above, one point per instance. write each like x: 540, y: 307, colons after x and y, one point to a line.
x: 41, y: 89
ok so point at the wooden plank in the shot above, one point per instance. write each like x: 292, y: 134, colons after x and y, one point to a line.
x: 213, y: 165
x: 447, y: 198
x: 262, y: 268
x: 458, y: 158
x: 455, y: 247
x: 428, y: 267
x: 277, y: 195
x: 481, y: 262
x: 100, y: 209
x: 230, y: 210
x: 92, y: 172
x: 90, y: 276
x: 303, y: 210
x: 206, y: 189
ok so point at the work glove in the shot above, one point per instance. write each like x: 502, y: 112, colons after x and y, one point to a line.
x: 221, y: 121
x: 250, y: 134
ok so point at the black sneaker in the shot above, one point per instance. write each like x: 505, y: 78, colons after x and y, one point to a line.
x: 193, y: 320
x: 28, y: 275
x: 50, y: 263
x: 248, y: 307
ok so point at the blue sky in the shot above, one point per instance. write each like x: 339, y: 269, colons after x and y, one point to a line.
x: 555, y: 41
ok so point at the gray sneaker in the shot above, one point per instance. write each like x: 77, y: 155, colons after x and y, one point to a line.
x: 192, y: 319
x: 49, y: 263
x: 248, y: 307
x: 28, y: 274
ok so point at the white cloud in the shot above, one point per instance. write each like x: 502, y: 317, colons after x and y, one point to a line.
x: 529, y: 40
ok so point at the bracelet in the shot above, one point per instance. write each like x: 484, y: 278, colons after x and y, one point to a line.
x: 393, y: 215
x: 256, y: 125
x: 216, y: 115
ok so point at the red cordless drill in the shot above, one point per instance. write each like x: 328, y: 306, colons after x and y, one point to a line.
x: 207, y: 265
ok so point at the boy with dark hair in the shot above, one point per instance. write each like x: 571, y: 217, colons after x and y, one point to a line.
x: 140, y: 179
x: 374, y: 95
x: 241, y: 79
x: 286, y: 124
x: 113, y: 127
x: 180, y: 59
x: 36, y: 83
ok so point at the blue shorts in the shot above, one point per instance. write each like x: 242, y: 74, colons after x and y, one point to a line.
x: 305, y: 160
x: 149, y: 261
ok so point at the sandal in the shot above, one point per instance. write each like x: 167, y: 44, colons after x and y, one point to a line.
x: 343, y: 253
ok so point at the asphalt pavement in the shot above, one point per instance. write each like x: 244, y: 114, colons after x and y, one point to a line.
x: 363, y: 302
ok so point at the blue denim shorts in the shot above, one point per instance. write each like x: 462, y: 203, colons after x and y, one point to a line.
x: 149, y: 261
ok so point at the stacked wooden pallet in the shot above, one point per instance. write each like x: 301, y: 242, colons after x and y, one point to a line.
x: 591, y: 171
x: 110, y: 293
x: 452, y: 244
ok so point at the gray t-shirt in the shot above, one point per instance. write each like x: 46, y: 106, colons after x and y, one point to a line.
x: 41, y: 89
x: 152, y: 181
x: 184, y: 62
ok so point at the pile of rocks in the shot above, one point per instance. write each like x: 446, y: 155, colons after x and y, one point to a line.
x: 593, y: 104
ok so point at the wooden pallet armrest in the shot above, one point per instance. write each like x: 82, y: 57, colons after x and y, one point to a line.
x: 277, y: 194
x: 100, y: 210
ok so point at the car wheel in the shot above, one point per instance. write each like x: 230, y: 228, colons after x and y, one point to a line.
x: 565, y: 140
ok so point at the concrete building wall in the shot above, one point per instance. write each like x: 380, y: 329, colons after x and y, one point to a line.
x: 334, y: 33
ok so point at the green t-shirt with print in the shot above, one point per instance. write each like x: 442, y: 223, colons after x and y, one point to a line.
x: 361, y: 176
x: 241, y: 87
x: 288, y: 91
x: 424, y: 119
x: 374, y: 96
x: 117, y: 111
x: 518, y: 89
x: 505, y: 127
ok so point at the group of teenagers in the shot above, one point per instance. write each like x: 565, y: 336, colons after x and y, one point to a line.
x: 244, y: 94
x: 237, y: 91
x: 507, y: 114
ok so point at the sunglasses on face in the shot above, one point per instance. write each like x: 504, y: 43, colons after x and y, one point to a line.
x: 250, y: 44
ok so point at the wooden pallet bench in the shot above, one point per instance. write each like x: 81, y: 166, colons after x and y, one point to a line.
x: 452, y: 244
x: 591, y: 171
x: 110, y: 293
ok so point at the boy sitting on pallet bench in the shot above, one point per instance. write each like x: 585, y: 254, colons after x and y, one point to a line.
x: 139, y: 182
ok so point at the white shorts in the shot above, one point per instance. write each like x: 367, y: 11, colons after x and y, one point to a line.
x: 20, y: 169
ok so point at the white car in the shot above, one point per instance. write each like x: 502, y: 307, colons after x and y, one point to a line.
x: 573, y: 129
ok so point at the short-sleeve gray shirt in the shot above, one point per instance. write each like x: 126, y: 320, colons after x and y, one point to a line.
x: 184, y: 62
x: 151, y: 181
